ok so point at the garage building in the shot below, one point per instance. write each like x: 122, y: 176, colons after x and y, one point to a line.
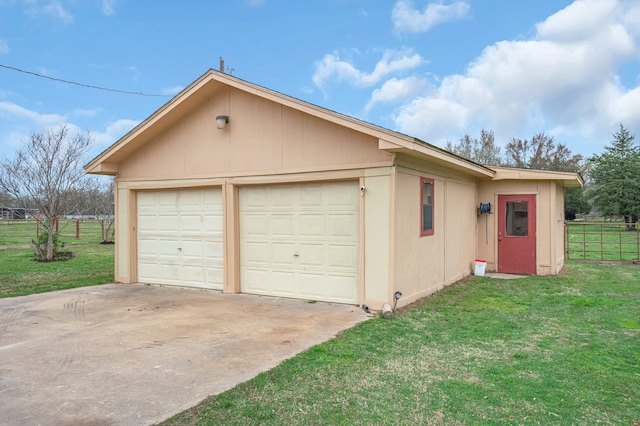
x: 230, y: 186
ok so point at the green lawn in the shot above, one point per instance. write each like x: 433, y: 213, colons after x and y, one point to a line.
x: 20, y: 274
x: 21, y: 233
x: 602, y: 241
x: 555, y: 350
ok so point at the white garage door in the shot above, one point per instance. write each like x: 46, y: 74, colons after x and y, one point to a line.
x: 301, y: 241
x: 180, y: 238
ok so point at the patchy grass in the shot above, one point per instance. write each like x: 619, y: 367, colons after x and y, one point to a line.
x: 20, y: 274
x: 557, y: 350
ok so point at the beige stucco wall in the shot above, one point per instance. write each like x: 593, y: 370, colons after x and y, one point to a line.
x: 425, y: 264
x: 549, y: 221
x: 559, y: 228
x: 263, y: 143
x: 262, y: 137
x: 376, y: 238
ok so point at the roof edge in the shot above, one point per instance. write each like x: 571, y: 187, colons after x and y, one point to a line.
x: 146, y: 122
x: 569, y: 179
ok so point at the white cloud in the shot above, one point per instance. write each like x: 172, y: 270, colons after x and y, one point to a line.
x: 624, y: 108
x: 396, y: 90
x: 25, y: 121
x: 438, y: 116
x: 576, y: 21
x: 14, y: 139
x: 57, y: 10
x: 406, y: 18
x: 53, y: 8
x: 113, y: 132
x: 135, y: 72
x: 108, y: 7
x: 4, y: 47
x: 565, y: 78
x: 333, y: 67
x: 80, y: 112
x: 12, y: 111
x: 171, y: 91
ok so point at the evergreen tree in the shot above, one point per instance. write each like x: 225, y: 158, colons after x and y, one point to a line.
x: 575, y: 202
x: 615, y: 178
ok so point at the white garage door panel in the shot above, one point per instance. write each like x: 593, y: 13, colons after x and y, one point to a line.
x: 310, y: 285
x: 180, y: 238
x: 301, y: 241
x: 314, y: 255
x: 311, y: 225
x: 342, y: 257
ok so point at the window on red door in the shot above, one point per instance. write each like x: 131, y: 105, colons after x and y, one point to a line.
x: 517, y: 219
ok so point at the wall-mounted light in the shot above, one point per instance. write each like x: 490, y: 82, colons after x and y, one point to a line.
x: 222, y: 121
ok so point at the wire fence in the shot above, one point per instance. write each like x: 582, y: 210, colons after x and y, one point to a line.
x: 22, y: 231
x: 613, y: 241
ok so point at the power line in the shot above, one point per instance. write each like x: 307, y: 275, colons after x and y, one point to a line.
x: 89, y: 86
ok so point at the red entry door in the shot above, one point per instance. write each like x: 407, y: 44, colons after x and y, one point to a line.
x: 517, y: 234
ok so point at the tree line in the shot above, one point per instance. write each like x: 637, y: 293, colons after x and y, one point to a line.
x: 612, y: 179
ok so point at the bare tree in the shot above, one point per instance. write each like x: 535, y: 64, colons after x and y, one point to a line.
x: 542, y: 153
x: 482, y: 151
x: 100, y: 201
x: 46, y: 170
x: 5, y: 200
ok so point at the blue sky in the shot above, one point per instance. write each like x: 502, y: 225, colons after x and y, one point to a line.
x: 436, y: 70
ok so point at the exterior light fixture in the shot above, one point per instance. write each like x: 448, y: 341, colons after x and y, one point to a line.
x: 222, y: 121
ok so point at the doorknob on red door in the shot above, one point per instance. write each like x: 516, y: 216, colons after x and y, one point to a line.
x: 499, y: 236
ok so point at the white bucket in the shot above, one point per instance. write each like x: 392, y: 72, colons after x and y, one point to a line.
x: 481, y: 265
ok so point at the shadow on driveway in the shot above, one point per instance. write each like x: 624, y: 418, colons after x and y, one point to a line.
x: 123, y: 354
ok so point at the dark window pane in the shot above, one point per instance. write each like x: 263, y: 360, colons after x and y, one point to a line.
x: 427, y: 206
x: 427, y: 217
x: 517, y: 217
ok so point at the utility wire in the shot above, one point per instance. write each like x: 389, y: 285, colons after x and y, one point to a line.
x: 89, y: 86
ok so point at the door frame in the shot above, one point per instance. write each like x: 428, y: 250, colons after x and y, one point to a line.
x: 525, y: 267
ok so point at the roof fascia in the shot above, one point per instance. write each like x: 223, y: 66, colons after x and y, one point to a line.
x: 423, y: 150
x: 568, y: 179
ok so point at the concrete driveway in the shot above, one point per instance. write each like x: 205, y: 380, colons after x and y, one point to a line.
x: 122, y: 354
